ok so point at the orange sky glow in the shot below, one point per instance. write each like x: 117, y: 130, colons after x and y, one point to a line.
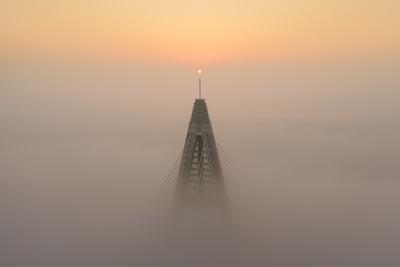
x: 199, y: 32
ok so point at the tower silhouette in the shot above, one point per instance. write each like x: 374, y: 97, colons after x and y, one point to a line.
x: 200, y: 181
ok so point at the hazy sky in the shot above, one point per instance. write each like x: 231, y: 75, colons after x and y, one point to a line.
x: 95, y: 97
x: 199, y: 32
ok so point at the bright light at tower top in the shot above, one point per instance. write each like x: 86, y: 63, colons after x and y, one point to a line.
x: 199, y: 72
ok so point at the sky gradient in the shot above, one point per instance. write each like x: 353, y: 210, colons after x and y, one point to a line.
x: 95, y: 99
x: 199, y: 32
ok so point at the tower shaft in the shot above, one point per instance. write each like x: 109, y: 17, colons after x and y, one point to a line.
x: 200, y: 180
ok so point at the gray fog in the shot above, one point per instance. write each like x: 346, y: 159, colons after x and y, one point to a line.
x: 85, y: 148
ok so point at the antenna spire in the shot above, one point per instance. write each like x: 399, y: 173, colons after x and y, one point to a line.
x: 199, y: 72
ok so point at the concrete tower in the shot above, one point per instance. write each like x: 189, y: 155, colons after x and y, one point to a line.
x: 200, y: 182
